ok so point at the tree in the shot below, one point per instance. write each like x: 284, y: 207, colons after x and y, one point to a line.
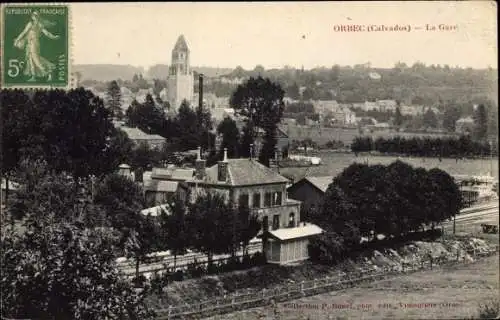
x: 75, y: 129
x: 398, y: 117
x: 175, y: 229
x: 268, y: 149
x: 211, y: 221
x: 121, y: 199
x: 247, y: 139
x: 66, y: 272
x: 230, y: 137
x: 249, y: 226
x: 146, y: 116
x: 450, y: 117
x: 308, y: 94
x: 45, y: 195
x: 187, y: 131
x: 430, y: 119
x: 480, y: 122
x: 15, y: 128
x: 113, y: 99
x: 259, y: 100
x: 120, y: 150
x: 293, y: 91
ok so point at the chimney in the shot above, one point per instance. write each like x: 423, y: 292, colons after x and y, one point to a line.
x: 222, y: 168
x: 200, y: 91
x: 274, y: 163
x: 200, y: 165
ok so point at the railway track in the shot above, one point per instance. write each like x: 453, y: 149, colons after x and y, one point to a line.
x: 167, y: 261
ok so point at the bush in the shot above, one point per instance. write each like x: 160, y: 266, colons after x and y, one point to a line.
x: 258, y: 259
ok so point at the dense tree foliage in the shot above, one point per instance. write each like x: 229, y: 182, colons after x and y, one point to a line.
x: 175, y: 232
x: 260, y: 101
x: 392, y: 200
x: 65, y: 272
x: 61, y: 263
x: 450, y: 117
x: 113, y: 100
x: 70, y: 130
x: 230, y: 138
x: 480, y: 122
x: 147, y: 116
x: 218, y: 227
x: 423, y: 147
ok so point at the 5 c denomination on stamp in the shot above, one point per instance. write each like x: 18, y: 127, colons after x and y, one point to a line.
x: 35, y: 50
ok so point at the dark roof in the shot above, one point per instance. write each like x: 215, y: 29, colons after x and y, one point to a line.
x: 181, y: 44
x: 321, y: 183
x: 242, y: 172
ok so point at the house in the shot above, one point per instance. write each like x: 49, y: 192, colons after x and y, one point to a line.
x: 289, y: 245
x: 138, y: 136
x: 325, y: 106
x: 344, y: 116
x: 310, y: 191
x: 369, y: 106
x: 161, y: 184
x: 245, y: 181
x: 387, y: 105
x: 464, y: 125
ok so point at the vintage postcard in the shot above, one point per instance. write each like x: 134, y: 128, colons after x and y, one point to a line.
x: 253, y: 160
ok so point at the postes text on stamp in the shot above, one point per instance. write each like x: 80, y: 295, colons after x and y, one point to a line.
x: 35, y: 50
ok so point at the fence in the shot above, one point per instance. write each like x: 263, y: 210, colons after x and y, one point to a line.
x: 304, y: 288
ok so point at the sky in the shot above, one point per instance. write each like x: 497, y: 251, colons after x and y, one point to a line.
x: 275, y: 34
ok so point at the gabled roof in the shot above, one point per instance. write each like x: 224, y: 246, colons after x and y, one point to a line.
x: 161, y: 186
x: 181, y: 44
x: 172, y: 173
x: 137, y: 134
x: 301, y: 231
x: 242, y: 172
x: 321, y: 183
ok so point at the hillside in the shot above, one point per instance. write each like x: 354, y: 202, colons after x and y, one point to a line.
x: 106, y: 72
x: 160, y: 71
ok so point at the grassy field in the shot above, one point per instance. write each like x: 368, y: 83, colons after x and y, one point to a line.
x: 451, y: 293
x: 334, y: 163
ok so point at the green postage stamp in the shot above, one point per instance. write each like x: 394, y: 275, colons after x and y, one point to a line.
x: 35, y: 46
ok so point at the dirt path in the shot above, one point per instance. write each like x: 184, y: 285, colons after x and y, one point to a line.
x: 452, y: 293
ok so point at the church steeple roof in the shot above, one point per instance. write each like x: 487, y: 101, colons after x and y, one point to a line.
x: 181, y: 44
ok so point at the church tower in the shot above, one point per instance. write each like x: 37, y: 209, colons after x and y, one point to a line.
x: 180, y: 77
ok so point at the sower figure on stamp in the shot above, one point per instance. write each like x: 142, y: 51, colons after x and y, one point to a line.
x: 29, y: 41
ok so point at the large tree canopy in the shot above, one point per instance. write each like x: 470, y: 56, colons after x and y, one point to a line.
x: 260, y: 100
x: 70, y: 130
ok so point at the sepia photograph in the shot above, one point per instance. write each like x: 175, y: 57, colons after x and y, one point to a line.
x: 269, y: 160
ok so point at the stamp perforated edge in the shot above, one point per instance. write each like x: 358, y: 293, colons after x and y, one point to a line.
x: 69, y: 45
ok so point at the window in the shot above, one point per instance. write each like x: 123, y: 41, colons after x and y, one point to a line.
x: 276, y: 221
x: 291, y: 220
x: 277, y: 199
x: 256, y: 200
x: 267, y: 199
x: 243, y: 200
x: 265, y: 223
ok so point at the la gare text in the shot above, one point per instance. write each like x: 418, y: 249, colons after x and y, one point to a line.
x: 396, y: 27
